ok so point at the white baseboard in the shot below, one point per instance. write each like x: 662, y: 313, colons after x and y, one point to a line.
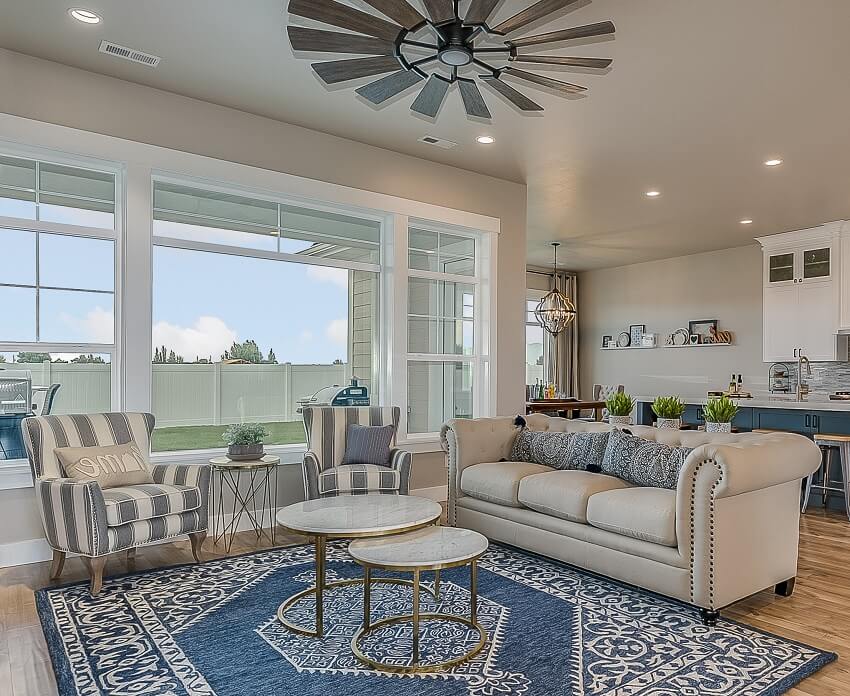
x: 37, y: 550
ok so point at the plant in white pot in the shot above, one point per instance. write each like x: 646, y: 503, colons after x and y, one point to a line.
x: 669, y: 410
x: 620, y: 407
x: 719, y: 414
x: 245, y: 441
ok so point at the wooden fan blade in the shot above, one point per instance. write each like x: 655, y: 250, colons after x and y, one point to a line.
x: 600, y: 63
x: 532, y: 14
x: 399, y: 11
x: 473, y: 102
x: 339, y: 15
x: 440, y: 11
x: 387, y: 87
x: 518, y: 98
x: 566, y: 87
x: 334, y: 42
x: 431, y: 97
x: 479, y: 11
x: 335, y: 71
x: 584, y: 32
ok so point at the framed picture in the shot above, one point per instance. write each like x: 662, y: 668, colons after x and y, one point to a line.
x: 702, y: 328
x: 636, y: 332
x: 607, y: 341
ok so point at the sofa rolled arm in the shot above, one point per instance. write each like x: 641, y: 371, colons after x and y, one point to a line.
x: 401, y: 460
x: 197, y: 475
x: 473, y: 441
x: 759, y: 461
x: 74, y: 515
x: 310, y: 468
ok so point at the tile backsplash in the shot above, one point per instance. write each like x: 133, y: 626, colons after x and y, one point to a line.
x: 827, y: 377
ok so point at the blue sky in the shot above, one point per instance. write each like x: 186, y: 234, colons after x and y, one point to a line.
x: 202, y: 302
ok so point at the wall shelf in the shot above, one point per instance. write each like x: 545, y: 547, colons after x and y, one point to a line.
x: 629, y: 348
x: 700, y: 345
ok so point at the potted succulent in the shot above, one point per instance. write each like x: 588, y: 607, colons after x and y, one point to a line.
x: 669, y: 410
x: 245, y: 441
x: 620, y: 407
x: 719, y: 414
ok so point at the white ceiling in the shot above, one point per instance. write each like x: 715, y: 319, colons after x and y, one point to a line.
x: 700, y: 94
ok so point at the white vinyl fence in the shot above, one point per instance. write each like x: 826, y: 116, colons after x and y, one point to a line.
x: 194, y: 394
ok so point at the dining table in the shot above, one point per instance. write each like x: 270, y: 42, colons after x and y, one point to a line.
x: 566, y: 408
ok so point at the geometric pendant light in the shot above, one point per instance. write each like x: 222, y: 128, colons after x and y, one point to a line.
x: 555, y: 311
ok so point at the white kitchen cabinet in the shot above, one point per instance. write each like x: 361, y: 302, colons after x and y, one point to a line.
x: 803, y: 275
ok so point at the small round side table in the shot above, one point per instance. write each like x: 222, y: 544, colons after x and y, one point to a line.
x: 253, y: 485
x: 431, y: 548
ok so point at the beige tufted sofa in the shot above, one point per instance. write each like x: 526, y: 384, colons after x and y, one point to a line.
x: 730, y: 529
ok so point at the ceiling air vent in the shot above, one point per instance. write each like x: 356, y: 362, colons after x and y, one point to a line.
x: 437, y: 142
x: 131, y: 54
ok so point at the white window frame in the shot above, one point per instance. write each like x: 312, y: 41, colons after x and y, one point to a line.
x: 483, y: 379
x: 535, y: 296
x: 139, y: 162
x: 14, y: 473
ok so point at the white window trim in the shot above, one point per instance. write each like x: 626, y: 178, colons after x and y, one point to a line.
x: 15, y: 473
x: 140, y: 162
x: 484, y: 322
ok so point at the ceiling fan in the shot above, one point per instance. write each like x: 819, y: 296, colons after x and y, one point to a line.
x: 413, y: 48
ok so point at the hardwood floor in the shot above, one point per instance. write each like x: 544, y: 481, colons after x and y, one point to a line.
x: 818, y: 613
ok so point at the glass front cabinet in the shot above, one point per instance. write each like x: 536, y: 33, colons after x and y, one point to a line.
x: 801, y: 297
x: 810, y: 264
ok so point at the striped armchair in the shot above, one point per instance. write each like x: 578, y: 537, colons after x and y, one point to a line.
x: 326, y: 476
x: 79, y: 517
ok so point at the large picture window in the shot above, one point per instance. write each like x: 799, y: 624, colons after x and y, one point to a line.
x: 58, y: 239
x: 257, y: 305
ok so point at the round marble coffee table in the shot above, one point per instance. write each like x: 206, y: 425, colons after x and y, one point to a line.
x: 347, y: 517
x: 432, y: 548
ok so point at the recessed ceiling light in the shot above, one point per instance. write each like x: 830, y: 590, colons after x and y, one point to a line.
x: 773, y: 162
x: 653, y: 194
x: 85, y: 16
x: 485, y: 139
x: 746, y: 221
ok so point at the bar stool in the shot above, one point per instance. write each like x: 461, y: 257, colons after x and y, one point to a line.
x: 828, y: 443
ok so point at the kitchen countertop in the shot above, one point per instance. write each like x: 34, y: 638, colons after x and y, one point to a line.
x: 815, y: 402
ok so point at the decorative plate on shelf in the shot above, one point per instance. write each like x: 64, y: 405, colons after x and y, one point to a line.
x: 681, y: 337
x: 624, y: 340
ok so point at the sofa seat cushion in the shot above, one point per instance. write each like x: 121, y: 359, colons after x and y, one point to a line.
x: 648, y: 514
x: 359, y: 478
x: 565, y: 494
x: 144, y: 502
x: 498, y: 482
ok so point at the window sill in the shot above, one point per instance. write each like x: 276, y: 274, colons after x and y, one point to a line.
x: 15, y: 473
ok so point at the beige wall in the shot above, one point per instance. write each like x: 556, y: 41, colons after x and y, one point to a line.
x: 724, y: 285
x: 53, y: 93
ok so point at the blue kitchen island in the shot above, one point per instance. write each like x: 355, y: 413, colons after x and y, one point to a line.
x: 817, y: 414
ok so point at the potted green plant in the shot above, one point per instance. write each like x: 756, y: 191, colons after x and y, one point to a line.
x: 669, y: 410
x: 719, y: 414
x: 245, y: 441
x: 620, y: 407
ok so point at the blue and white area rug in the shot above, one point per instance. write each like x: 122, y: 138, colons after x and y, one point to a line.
x: 211, y: 629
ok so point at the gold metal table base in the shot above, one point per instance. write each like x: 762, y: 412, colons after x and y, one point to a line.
x: 416, y: 618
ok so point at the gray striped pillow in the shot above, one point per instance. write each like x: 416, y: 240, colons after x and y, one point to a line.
x: 368, y: 444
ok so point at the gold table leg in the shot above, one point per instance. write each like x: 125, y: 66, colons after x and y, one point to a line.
x: 320, y: 585
x: 367, y: 596
x: 415, y: 617
x: 473, y: 591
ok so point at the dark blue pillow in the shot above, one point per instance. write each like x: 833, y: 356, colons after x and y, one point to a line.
x: 368, y: 444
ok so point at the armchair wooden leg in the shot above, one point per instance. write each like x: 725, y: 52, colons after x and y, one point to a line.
x: 58, y: 564
x: 197, y: 541
x: 95, y: 566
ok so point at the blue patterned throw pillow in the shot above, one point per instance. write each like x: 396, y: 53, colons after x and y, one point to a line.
x: 643, y: 462
x: 559, y: 450
x: 368, y: 444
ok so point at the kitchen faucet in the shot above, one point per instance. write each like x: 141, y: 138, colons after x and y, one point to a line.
x: 802, y: 387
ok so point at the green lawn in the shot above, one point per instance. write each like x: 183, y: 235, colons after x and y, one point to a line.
x: 193, y: 437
